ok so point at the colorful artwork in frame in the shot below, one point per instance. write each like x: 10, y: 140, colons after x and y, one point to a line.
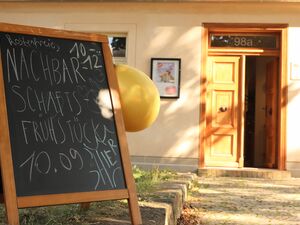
x: 165, y: 73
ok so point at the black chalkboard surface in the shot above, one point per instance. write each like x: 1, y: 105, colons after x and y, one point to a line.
x: 60, y: 115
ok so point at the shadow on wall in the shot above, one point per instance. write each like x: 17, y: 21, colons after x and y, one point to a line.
x: 293, y: 122
x: 176, y: 131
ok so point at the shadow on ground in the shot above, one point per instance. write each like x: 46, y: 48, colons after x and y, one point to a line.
x: 150, y: 216
x: 245, y: 201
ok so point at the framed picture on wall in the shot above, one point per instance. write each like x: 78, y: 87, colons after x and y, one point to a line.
x: 165, y: 73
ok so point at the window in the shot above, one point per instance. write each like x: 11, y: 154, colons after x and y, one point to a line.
x: 244, y: 41
x: 118, y: 45
x: 126, y: 31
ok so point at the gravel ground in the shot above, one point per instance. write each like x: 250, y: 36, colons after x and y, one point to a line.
x: 243, y: 201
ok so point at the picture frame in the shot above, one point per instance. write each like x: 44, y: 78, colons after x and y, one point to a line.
x: 165, y: 73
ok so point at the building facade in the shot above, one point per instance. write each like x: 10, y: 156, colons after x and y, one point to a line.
x: 239, y: 96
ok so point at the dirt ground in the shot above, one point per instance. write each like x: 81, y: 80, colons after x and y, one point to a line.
x: 212, y: 201
x: 112, y: 213
x: 150, y: 216
x: 242, y: 201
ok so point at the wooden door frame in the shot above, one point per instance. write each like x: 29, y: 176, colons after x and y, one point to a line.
x: 281, y: 30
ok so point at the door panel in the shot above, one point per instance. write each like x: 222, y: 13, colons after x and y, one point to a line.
x: 222, y: 111
x: 222, y: 148
x: 271, y: 113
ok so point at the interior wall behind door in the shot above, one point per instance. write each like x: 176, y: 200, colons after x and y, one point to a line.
x: 255, y: 127
x: 260, y: 111
x: 260, y: 104
x: 249, y: 139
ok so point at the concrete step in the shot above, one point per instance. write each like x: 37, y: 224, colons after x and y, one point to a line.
x: 271, y: 174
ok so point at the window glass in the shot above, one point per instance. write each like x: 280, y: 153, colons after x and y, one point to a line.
x: 118, y: 45
x: 244, y: 41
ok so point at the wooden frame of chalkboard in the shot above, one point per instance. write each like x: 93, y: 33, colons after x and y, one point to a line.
x: 80, y: 72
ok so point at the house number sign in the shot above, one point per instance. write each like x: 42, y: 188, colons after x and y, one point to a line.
x: 244, y: 41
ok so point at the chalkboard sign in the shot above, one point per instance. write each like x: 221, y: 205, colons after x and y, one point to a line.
x: 62, y: 128
x: 65, y: 132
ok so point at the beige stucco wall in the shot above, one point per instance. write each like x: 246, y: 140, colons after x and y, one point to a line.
x: 293, y: 121
x: 169, y: 30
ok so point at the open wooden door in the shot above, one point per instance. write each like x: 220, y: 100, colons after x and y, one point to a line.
x: 271, y: 113
x: 222, y: 128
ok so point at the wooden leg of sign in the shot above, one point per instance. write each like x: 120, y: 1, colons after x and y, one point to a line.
x: 10, y: 200
x: 12, y: 216
x: 134, y: 210
x: 8, y: 184
x: 85, y: 206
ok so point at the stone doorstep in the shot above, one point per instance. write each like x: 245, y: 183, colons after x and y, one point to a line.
x: 171, y: 196
x: 271, y: 174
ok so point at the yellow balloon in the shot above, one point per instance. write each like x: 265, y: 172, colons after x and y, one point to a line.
x: 140, y: 99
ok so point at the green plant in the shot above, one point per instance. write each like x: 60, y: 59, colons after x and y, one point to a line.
x: 147, y: 179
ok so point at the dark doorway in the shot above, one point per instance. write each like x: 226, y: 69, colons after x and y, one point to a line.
x: 260, y: 112
x: 249, y: 134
